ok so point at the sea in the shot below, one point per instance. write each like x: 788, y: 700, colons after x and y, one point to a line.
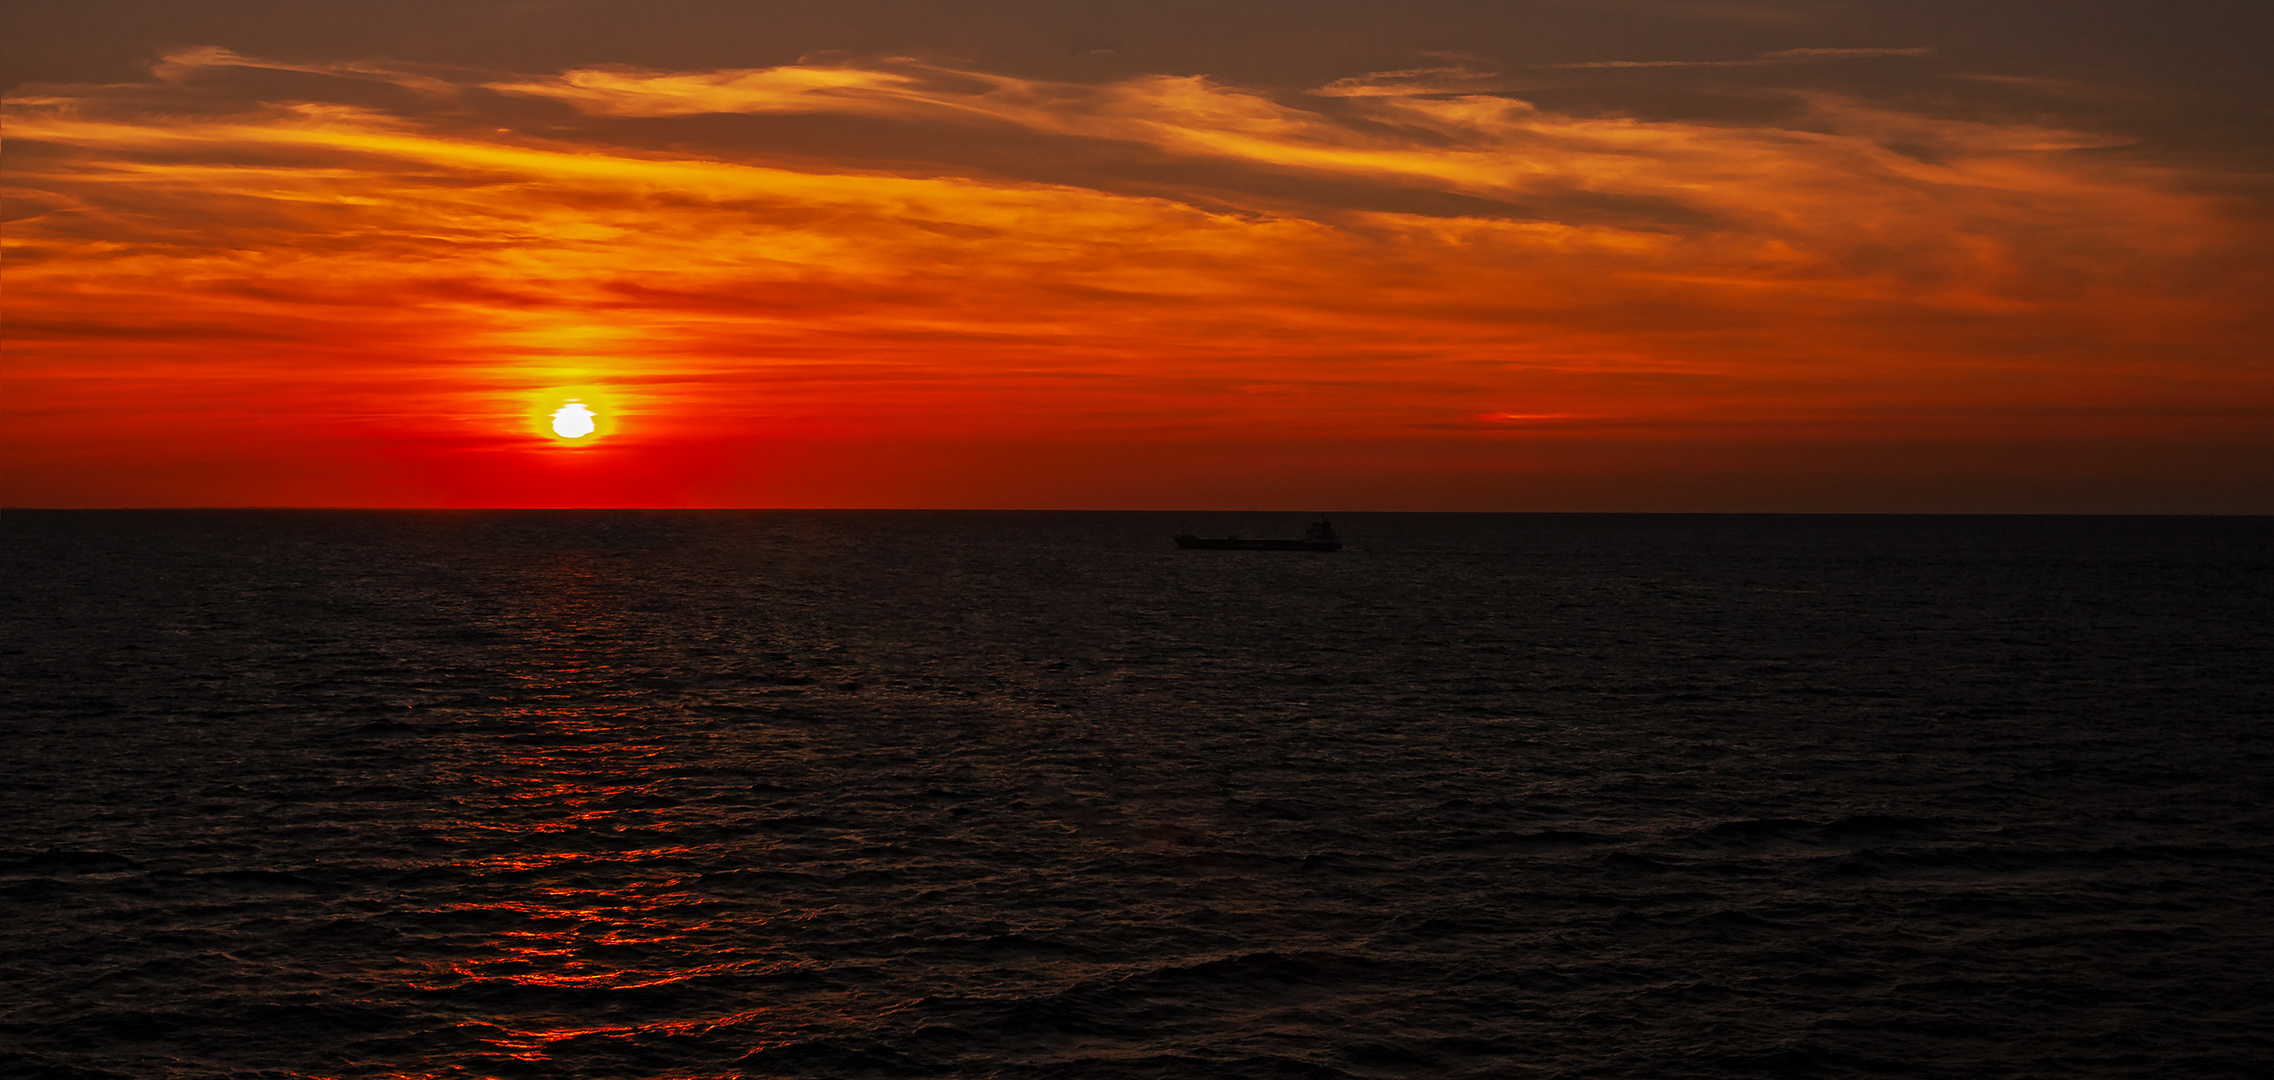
x: 618, y: 794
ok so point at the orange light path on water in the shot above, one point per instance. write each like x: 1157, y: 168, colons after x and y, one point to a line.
x: 306, y: 299
x: 575, y: 876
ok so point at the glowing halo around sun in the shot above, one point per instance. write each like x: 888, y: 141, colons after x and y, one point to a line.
x: 573, y: 415
x: 572, y: 420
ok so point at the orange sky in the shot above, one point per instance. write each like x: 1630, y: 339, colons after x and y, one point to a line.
x: 243, y: 280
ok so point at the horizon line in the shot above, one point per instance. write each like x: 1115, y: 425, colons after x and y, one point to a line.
x: 1121, y: 510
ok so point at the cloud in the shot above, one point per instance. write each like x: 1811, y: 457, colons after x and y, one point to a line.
x: 1135, y: 261
x: 631, y: 92
x: 1412, y: 82
x: 187, y: 64
x: 1436, y: 127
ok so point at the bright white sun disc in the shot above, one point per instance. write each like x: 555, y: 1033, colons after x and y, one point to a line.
x: 572, y: 421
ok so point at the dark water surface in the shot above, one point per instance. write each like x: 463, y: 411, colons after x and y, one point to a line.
x: 338, y: 794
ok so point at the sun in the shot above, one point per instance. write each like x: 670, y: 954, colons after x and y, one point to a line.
x: 572, y: 420
x: 573, y: 415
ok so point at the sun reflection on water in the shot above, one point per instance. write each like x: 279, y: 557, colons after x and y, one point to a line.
x: 575, y: 854
x: 530, y: 1044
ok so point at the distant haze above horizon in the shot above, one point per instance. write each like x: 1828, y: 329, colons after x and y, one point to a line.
x: 1629, y: 255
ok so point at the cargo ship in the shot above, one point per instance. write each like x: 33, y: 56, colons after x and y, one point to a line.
x: 1319, y: 537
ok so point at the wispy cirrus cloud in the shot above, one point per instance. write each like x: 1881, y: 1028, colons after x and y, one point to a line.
x: 183, y: 65
x: 631, y: 92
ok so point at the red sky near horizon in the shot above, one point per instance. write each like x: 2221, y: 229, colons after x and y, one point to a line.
x: 1858, y: 277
